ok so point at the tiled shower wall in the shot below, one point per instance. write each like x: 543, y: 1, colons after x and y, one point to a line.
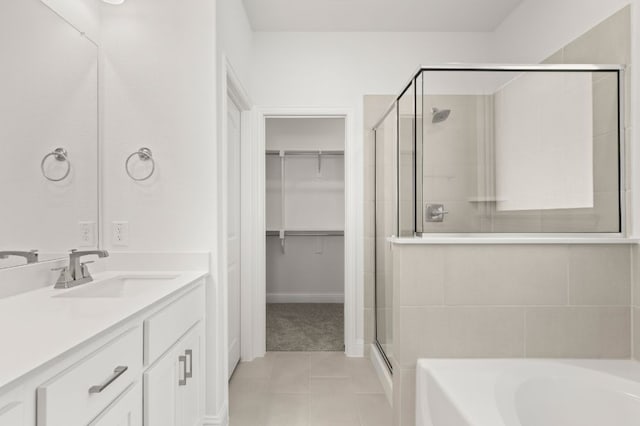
x: 509, y: 300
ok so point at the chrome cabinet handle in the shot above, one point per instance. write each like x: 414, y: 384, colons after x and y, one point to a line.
x: 188, y: 373
x: 119, y: 371
x: 183, y: 381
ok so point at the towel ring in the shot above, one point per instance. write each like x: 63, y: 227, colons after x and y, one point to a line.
x: 144, y: 154
x: 60, y: 154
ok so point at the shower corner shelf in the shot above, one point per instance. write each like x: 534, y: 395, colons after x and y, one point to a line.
x: 483, y: 200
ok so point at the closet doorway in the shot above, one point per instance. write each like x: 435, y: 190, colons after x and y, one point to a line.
x: 305, y: 223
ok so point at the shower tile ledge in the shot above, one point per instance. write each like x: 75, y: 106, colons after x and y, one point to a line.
x: 478, y: 240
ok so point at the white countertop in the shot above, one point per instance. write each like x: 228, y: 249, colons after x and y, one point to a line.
x: 36, y: 327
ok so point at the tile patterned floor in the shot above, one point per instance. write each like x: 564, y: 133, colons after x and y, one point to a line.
x: 307, y: 389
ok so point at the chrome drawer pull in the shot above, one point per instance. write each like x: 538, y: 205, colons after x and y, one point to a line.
x: 119, y: 371
x: 188, y: 373
x: 183, y: 381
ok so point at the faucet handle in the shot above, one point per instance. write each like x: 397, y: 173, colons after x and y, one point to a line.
x: 65, y: 277
x: 84, y: 270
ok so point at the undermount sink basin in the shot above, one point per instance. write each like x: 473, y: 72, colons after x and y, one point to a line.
x: 116, y: 287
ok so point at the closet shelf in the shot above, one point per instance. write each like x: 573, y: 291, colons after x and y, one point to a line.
x: 307, y: 233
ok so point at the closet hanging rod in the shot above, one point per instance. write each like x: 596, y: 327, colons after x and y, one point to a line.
x: 306, y: 233
x: 307, y: 153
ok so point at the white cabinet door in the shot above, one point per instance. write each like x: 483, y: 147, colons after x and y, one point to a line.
x: 161, y: 391
x: 191, y: 405
x: 12, y: 414
x: 125, y: 411
x: 173, y: 386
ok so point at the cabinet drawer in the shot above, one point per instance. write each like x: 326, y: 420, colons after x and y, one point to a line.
x: 163, y: 329
x: 80, y: 393
x: 12, y: 414
x: 125, y: 411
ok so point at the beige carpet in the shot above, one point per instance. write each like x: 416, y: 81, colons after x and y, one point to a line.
x: 307, y: 327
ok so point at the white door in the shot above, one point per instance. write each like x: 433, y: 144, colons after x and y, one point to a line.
x: 233, y: 233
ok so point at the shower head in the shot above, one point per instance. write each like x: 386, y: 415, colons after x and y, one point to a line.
x: 439, y: 115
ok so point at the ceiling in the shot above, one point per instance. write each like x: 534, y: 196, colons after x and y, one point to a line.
x: 378, y: 15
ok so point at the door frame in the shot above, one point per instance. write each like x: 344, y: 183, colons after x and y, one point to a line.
x: 231, y: 88
x: 254, y: 306
x: 232, y: 102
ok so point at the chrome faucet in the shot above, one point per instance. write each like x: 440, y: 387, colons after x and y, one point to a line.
x: 77, y: 273
x: 31, y: 256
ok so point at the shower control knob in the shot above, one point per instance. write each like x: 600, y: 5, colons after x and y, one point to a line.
x: 434, y: 212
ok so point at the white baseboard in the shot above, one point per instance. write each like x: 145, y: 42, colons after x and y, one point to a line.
x: 383, y: 372
x: 356, y: 350
x: 305, y: 298
x: 221, y: 419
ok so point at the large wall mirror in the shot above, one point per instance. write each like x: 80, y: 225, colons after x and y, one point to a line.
x: 48, y: 133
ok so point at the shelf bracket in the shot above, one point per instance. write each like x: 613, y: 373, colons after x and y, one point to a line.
x: 319, y: 163
x: 282, y: 240
x: 282, y: 200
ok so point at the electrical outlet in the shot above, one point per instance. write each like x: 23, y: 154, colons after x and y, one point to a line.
x: 120, y: 234
x: 87, y: 234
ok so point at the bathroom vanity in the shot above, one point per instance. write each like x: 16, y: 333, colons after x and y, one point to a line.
x: 126, y: 349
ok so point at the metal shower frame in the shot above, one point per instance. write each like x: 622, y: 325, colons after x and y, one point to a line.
x: 624, y: 226
x: 620, y: 70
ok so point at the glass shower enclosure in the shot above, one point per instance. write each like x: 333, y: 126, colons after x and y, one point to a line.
x: 489, y: 150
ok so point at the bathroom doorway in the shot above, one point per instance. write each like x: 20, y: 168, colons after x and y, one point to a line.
x: 305, y: 245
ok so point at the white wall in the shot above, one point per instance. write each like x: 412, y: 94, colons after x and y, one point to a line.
x: 159, y: 91
x: 311, y: 270
x: 235, y: 38
x: 338, y: 68
x: 82, y: 14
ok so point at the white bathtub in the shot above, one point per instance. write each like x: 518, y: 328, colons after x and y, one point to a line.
x: 527, y: 393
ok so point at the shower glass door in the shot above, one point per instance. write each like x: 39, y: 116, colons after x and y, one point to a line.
x: 386, y: 225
